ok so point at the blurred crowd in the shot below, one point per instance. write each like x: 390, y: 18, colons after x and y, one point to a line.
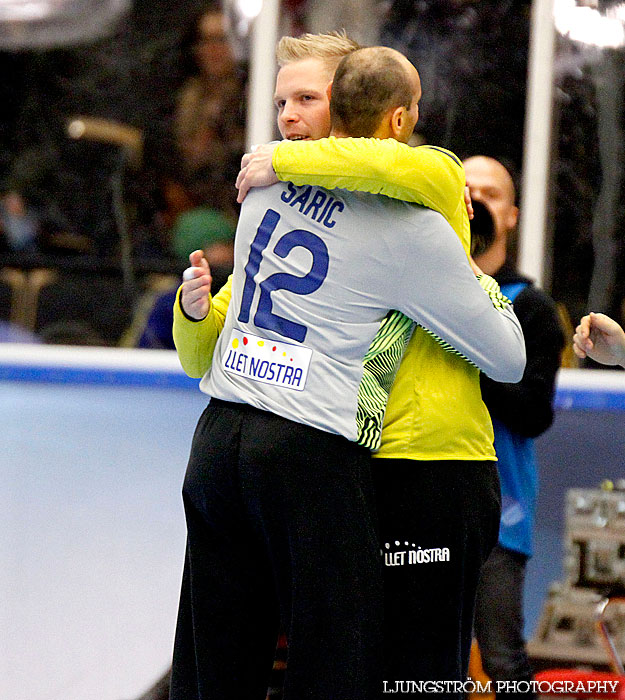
x: 148, y: 174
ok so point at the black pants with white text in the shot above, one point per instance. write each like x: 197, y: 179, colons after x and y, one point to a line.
x: 438, y: 524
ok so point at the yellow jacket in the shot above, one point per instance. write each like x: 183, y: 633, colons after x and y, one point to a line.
x: 435, y: 410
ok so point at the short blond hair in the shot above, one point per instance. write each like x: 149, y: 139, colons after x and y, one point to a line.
x: 330, y: 48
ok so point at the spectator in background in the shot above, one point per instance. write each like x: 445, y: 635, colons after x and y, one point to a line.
x: 156, y: 333
x: 520, y: 412
x: 209, y: 127
x: 208, y: 222
x: 19, y: 224
x: 152, y: 326
x: 201, y: 228
x: 194, y: 161
x: 204, y: 227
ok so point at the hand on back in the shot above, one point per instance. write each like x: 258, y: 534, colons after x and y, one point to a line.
x: 256, y: 170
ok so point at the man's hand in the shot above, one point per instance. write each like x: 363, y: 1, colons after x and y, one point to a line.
x: 196, y: 287
x: 600, y: 338
x: 256, y: 170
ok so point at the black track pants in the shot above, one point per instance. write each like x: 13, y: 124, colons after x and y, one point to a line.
x: 438, y: 523
x: 499, y: 619
x: 281, y: 530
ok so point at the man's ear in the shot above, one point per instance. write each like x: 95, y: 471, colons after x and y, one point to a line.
x: 512, y: 217
x: 396, y: 121
x: 329, y: 90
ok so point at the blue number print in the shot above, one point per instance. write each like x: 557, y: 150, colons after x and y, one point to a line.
x: 261, y: 239
x: 308, y: 284
x: 264, y: 317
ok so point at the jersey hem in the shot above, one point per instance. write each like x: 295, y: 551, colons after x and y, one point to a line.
x: 435, y: 457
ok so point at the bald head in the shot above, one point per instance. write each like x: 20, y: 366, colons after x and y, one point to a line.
x: 371, y: 84
x: 491, y: 183
x: 485, y: 170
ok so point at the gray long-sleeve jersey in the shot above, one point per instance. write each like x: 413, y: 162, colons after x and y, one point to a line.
x: 316, y: 274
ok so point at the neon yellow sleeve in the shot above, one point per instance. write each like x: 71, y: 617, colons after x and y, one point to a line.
x: 427, y: 175
x: 195, y: 340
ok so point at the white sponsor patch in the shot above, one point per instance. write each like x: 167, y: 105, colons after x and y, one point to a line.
x: 267, y: 361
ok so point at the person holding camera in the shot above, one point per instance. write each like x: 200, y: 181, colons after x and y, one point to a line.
x: 520, y: 412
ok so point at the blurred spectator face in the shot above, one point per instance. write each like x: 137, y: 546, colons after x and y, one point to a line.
x: 302, y: 100
x: 18, y: 224
x: 212, y: 50
x: 14, y: 204
x: 491, y: 184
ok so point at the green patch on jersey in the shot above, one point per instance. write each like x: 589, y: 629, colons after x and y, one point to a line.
x: 380, y: 366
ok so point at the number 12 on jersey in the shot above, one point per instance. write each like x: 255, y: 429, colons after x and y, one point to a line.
x: 309, y: 283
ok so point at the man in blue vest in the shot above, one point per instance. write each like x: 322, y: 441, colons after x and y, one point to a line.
x: 520, y: 412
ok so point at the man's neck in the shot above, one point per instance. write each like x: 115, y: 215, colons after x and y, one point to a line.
x: 493, y: 259
x: 343, y: 135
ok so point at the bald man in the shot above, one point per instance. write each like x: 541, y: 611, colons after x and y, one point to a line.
x: 520, y: 412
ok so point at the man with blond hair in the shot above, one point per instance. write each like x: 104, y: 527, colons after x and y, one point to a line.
x: 329, y: 48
